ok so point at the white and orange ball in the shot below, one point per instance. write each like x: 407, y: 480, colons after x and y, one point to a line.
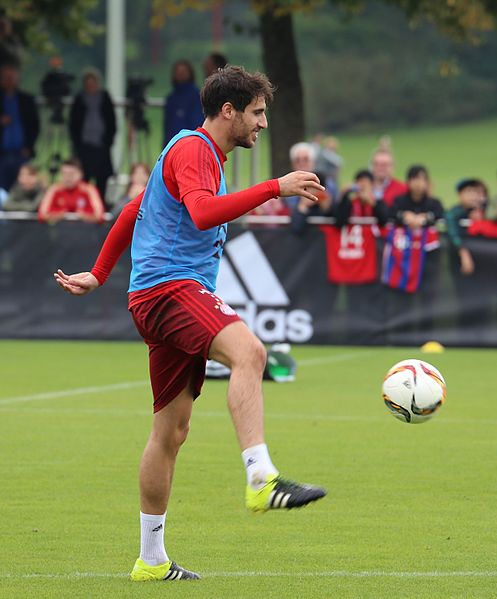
x: 413, y: 391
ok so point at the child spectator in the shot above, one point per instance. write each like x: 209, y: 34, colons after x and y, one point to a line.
x: 411, y: 259
x: 71, y: 195
x: 471, y: 206
x: 26, y: 194
x: 469, y: 283
x: 138, y: 179
x: 352, y: 258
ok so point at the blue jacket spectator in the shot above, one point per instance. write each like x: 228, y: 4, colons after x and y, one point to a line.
x: 19, y: 126
x: 183, y: 109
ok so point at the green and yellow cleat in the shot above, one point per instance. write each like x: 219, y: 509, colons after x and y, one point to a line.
x: 169, y: 571
x: 279, y: 493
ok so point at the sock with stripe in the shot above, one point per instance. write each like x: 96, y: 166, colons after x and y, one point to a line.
x: 152, y: 549
x: 258, y: 465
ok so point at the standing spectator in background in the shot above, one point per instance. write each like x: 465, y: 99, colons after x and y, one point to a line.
x: 328, y: 161
x: 19, y: 126
x: 71, y: 195
x: 92, y: 126
x: 183, y: 109
x: 386, y: 187
x: 9, y: 44
x: 213, y: 62
x: 27, y: 192
x: 412, y: 259
x: 138, y: 179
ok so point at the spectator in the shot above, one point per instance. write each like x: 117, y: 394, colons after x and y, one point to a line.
x: 26, y: 194
x: 471, y: 207
x: 92, y: 126
x: 472, y: 311
x: 328, y: 160
x: 412, y: 260
x: 352, y: 258
x: 71, y: 195
x: 138, y: 178
x: 360, y: 201
x: 183, y: 109
x: 19, y: 126
x: 386, y: 187
x: 9, y: 44
x: 303, y: 157
x: 213, y: 62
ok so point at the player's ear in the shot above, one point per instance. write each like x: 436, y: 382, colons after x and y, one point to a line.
x: 227, y: 110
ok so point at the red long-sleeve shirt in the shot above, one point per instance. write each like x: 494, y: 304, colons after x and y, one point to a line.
x: 191, y: 175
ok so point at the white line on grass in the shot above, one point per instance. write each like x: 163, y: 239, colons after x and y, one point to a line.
x: 133, y: 384
x: 72, y: 392
x: 249, y: 574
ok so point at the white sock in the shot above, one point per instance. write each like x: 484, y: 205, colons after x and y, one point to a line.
x: 152, y: 550
x: 258, y: 465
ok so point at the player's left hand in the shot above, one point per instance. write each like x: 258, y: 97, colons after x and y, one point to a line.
x: 80, y: 283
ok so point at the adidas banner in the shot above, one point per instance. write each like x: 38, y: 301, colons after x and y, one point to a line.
x: 278, y: 282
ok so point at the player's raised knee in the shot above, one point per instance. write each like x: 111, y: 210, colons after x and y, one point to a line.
x: 255, y: 354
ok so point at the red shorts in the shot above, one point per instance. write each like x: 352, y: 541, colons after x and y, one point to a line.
x: 178, y: 325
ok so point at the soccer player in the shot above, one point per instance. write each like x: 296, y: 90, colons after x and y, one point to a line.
x: 178, y: 228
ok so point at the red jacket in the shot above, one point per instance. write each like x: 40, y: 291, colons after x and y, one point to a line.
x: 392, y: 190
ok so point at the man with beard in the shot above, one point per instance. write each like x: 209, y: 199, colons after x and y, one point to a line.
x: 178, y: 240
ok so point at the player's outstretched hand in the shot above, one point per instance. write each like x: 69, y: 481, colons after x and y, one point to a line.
x: 80, y: 283
x: 300, y: 183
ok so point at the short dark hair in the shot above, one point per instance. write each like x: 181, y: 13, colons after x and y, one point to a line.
x: 363, y: 174
x: 468, y: 182
x: 416, y: 170
x: 72, y: 162
x: 235, y: 85
x: 218, y: 60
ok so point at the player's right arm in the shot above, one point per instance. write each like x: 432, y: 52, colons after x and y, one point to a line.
x: 117, y: 240
x: 197, y: 179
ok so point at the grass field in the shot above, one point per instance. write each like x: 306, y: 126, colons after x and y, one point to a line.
x: 411, y: 510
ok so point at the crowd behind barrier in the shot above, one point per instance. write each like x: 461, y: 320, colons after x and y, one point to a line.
x: 380, y: 235
x: 286, y: 294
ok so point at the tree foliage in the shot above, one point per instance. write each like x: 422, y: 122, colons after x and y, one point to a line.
x: 461, y: 19
x: 35, y: 22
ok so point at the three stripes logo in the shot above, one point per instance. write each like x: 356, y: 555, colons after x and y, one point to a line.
x: 247, y: 281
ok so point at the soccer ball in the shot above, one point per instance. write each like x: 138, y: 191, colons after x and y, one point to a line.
x: 413, y: 391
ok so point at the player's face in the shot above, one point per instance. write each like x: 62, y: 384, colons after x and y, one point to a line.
x: 247, y: 124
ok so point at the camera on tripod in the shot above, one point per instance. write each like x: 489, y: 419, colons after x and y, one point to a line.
x: 55, y: 85
x: 135, y: 94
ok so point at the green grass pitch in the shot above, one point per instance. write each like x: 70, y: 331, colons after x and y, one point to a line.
x: 411, y: 510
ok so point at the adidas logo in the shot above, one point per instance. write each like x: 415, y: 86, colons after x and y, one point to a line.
x: 157, y: 528
x: 247, y: 281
